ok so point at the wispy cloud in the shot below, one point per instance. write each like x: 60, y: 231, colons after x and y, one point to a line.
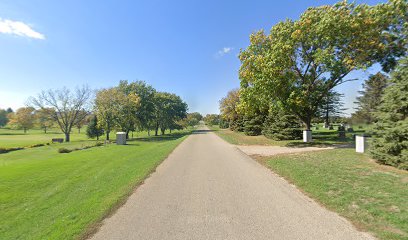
x: 18, y: 28
x: 224, y: 51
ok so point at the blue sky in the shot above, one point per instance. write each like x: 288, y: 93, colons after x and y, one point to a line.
x: 186, y: 47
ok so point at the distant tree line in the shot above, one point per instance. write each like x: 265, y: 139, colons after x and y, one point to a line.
x: 128, y: 107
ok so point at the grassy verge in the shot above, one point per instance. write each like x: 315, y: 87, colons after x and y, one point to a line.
x: 322, y: 137
x: 372, y: 196
x: 48, y: 195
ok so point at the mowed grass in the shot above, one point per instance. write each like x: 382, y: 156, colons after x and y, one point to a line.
x: 16, y: 138
x: 374, y: 197
x: 321, y: 137
x: 48, y: 195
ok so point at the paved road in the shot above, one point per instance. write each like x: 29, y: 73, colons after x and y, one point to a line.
x: 208, y: 189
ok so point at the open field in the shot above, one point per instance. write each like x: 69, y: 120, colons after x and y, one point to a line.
x: 321, y: 137
x: 50, y: 195
x: 374, y: 197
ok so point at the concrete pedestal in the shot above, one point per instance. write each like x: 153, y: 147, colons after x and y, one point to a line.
x: 361, y: 144
x: 121, y: 138
x: 307, y: 136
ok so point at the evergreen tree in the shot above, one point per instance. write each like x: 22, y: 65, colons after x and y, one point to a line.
x: 370, y: 98
x: 390, y: 134
x: 332, y: 106
x: 93, y: 130
x: 3, y: 117
x: 253, y: 125
x: 280, y: 125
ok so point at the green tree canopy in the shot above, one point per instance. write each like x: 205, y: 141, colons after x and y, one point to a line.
x: 300, y: 61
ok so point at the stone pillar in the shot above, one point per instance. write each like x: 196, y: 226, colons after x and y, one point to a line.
x: 361, y: 144
x: 121, y: 138
x: 307, y: 136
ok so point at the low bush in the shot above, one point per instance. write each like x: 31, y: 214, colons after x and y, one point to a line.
x: 64, y: 150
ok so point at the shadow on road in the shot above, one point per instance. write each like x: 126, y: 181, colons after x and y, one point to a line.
x: 202, y: 131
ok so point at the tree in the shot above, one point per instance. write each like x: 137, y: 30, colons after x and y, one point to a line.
x: 370, y: 97
x: 107, y: 103
x: 44, y: 118
x: 280, y: 125
x: 146, y: 112
x: 93, y: 130
x: 82, y: 120
x: 229, y: 109
x: 331, y: 107
x: 67, y: 106
x: 300, y: 61
x: 23, y: 118
x: 193, y: 119
x: 390, y: 134
x: 169, y: 109
x: 212, y: 119
x: 127, y: 108
x: 3, y: 117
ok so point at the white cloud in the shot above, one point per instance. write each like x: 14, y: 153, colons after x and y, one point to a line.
x: 18, y: 28
x: 224, y: 51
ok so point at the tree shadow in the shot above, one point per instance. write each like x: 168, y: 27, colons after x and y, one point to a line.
x: 202, y: 131
x: 161, y: 138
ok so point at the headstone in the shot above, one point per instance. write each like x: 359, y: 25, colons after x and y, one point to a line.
x: 361, y: 144
x: 121, y: 138
x: 307, y: 136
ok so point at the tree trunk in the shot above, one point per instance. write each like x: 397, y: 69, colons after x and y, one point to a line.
x: 79, y: 130
x: 67, y: 137
x: 156, y: 129
x: 97, y: 137
x: 127, y: 134
x: 107, y: 135
x: 45, y: 130
x: 327, y: 117
x: 148, y: 132
x: 170, y: 130
x: 25, y: 130
x: 162, y: 131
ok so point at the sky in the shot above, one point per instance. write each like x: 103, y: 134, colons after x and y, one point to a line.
x: 185, y: 47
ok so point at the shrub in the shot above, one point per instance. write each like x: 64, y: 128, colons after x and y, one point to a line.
x: 280, y: 125
x: 64, y: 150
x: 98, y: 144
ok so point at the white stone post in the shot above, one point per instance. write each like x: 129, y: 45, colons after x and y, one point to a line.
x: 361, y: 144
x: 307, y: 136
x: 121, y: 138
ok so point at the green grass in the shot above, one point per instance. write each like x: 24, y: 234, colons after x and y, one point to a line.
x: 48, y: 195
x: 17, y: 138
x: 322, y: 137
x: 372, y: 196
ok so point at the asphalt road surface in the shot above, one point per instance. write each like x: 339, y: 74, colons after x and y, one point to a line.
x: 208, y: 189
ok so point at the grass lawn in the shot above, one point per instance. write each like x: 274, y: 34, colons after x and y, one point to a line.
x: 321, y: 137
x: 374, y: 197
x: 49, y: 195
x: 16, y: 138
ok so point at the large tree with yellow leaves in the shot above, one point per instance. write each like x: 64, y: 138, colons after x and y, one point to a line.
x: 300, y: 61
